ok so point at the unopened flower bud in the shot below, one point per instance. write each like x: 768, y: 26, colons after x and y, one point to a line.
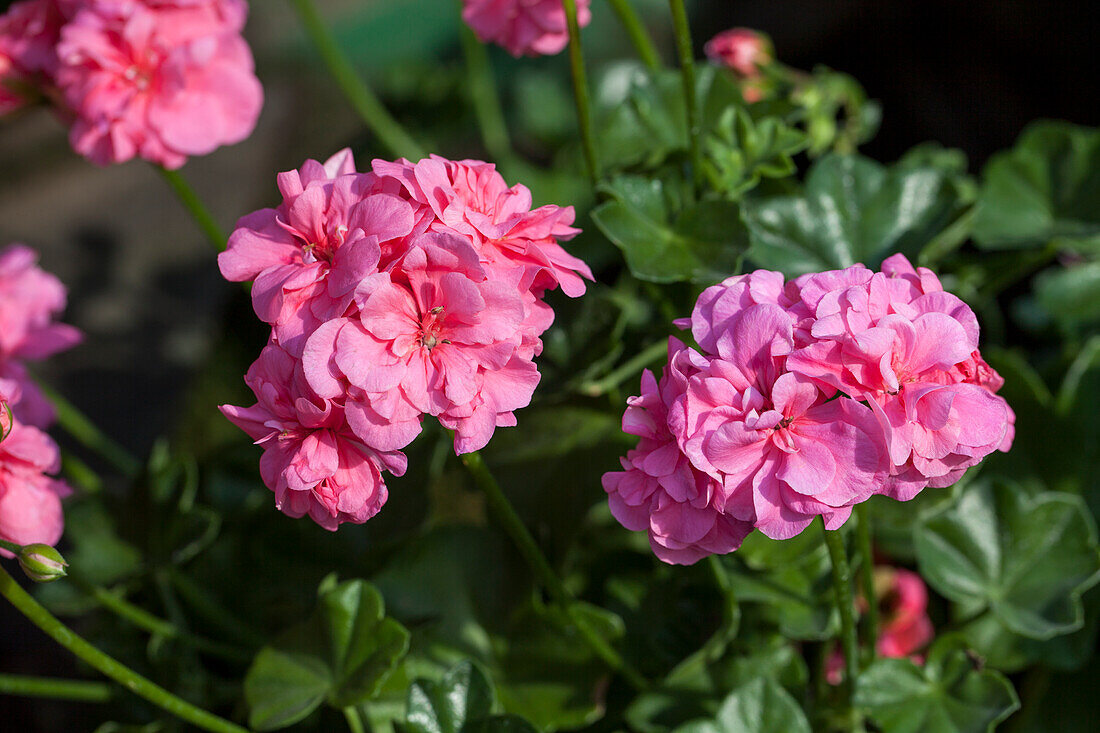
x: 741, y: 49
x: 42, y: 563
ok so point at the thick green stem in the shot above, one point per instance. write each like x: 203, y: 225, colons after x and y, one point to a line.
x: 146, y: 621
x: 486, y: 100
x: 194, y: 205
x: 842, y: 588
x: 84, y: 431
x: 109, y: 666
x: 687, y: 71
x: 580, y: 92
x: 355, y: 721
x: 639, y: 36
x: 505, y: 515
x: 867, y: 580
x: 634, y: 365
x: 388, y: 130
x: 52, y: 687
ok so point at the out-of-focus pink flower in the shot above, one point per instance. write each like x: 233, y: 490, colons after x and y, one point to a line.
x: 160, y: 80
x: 471, y: 198
x: 29, y: 32
x: 30, y: 501
x: 310, y: 254
x: 30, y: 301
x: 741, y: 49
x: 523, y: 27
x: 312, y: 460
x: 659, y: 491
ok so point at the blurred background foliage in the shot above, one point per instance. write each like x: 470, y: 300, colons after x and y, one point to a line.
x: 1009, y: 216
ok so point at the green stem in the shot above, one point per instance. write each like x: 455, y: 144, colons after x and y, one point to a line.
x: 580, y: 92
x: 644, y: 358
x: 842, y: 588
x: 11, y: 547
x: 506, y: 516
x: 486, y: 100
x: 867, y: 580
x: 52, y: 687
x: 388, y: 130
x: 687, y: 71
x: 146, y: 621
x: 194, y: 205
x: 355, y: 721
x: 639, y: 36
x: 80, y: 473
x: 109, y: 666
x: 74, y: 422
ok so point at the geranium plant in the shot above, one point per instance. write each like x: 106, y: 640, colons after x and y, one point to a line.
x: 762, y: 451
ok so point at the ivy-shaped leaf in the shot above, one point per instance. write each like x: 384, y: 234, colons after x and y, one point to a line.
x: 461, y: 702
x: 1045, y: 189
x: 1027, y: 559
x: 342, y: 654
x: 851, y: 210
x: 739, y: 152
x: 759, y: 706
x: 662, y: 243
x: 949, y: 694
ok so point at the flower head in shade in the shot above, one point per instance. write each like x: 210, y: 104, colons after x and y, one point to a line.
x: 741, y: 49
x: 471, y: 199
x: 311, y: 460
x: 30, y: 500
x: 523, y: 27
x: 159, y: 79
x: 659, y: 491
x: 30, y: 302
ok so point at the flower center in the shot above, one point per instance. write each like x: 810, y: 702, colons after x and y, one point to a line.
x: 431, y: 327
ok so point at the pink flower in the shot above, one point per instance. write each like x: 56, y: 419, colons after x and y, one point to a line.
x: 435, y: 333
x: 29, y: 32
x: 30, y: 501
x: 161, y: 80
x: 310, y: 254
x: 523, y: 27
x: 741, y: 49
x: 312, y: 460
x: 30, y: 301
x: 470, y: 198
x: 659, y: 490
x: 783, y: 452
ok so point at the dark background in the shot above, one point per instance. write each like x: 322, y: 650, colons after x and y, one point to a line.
x: 144, y: 285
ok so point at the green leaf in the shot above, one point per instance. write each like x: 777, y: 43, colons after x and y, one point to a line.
x: 1046, y: 188
x: 852, y: 209
x: 343, y: 654
x: 461, y: 702
x: 1071, y: 294
x: 740, y: 152
x: 1027, y: 559
x: 662, y: 243
x: 760, y: 706
x: 950, y: 694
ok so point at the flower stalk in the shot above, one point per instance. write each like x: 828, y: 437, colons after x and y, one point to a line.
x: 486, y: 100
x: 54, y: 688
x: 581, y: 93
x: 388, y: 130
x: 687, y: 72
x: 639, y: 36
x: 842, y: 589
x: 505, y: 515
x: 85, y: 432
x: 867, y: 581
x: 194, y: 205
x: 108, y: 665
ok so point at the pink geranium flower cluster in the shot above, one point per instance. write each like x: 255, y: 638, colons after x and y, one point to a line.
x: 30, y: 300
x: 159, y: 79
x: 523, y: 27
x: 415, y: 289
x: 804, y: 399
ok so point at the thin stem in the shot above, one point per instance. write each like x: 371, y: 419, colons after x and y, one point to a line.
x: 11, y: 547
x: 867, y: 580
x: 76, y: 424
x: 80, y: 473
x: 209, y: 608
x: 687, y: 71
x: 644, y: 358
x: 355, y: 721
x: 52, y: 687
x: 109, y: 666
x: 842, y: 588
x: 146, y: 621
x: 639, y: 36
x: 486, y: 100
x: 194, y: 205
x: 506, y: 516
x: 580, y: 92
x: 388, y: 130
